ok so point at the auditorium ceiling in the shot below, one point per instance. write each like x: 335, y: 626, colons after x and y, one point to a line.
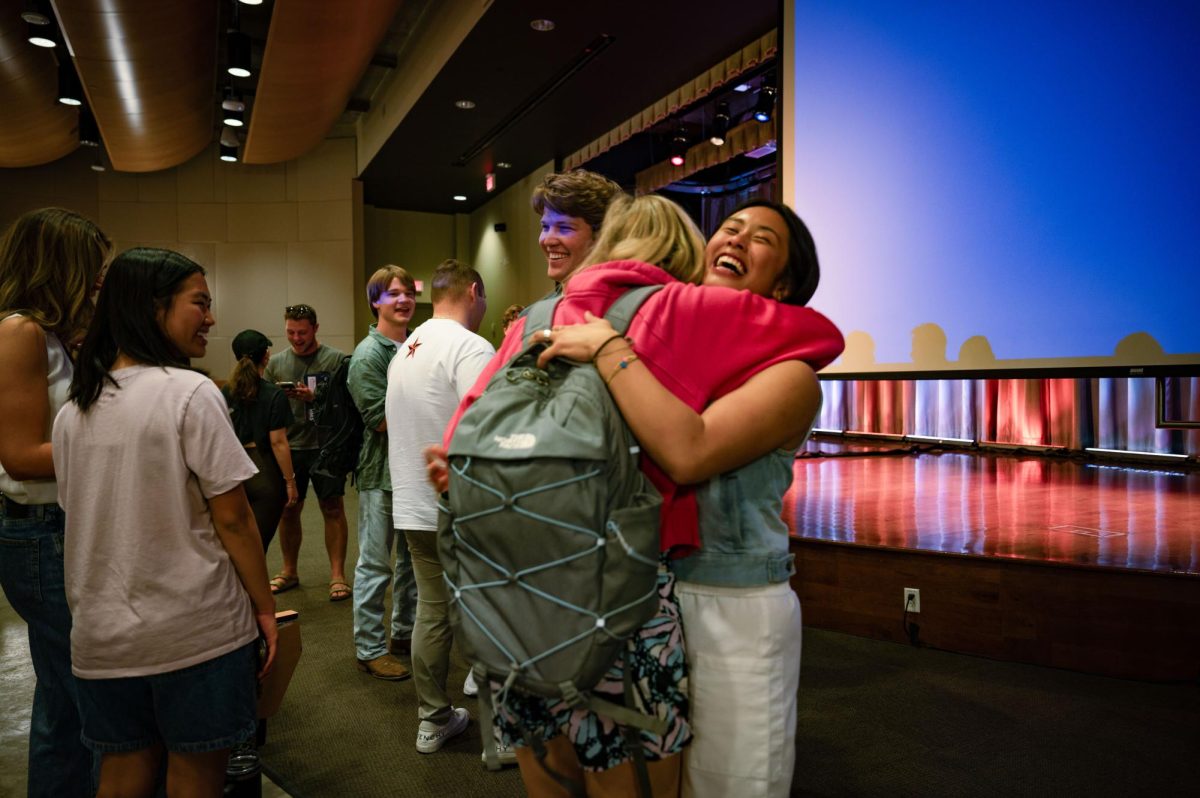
x: 154, y: 76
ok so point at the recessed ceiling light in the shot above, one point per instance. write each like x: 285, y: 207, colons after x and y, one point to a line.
x: 466, y: 105
x: 742, y: 87
x: 460, y: 198
x: 35, y: 17
x: 504, y: 165
x: 542, y: 25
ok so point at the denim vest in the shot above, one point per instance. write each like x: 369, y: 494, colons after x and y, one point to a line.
x: 744, y: 541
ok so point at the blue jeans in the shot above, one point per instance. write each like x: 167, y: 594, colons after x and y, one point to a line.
x: 31, y: 573
x: 373, y: 574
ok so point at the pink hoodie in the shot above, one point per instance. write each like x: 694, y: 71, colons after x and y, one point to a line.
x: 701, y: 342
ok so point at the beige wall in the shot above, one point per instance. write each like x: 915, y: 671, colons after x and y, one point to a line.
x: 512, y: 265
x: 268, y: 236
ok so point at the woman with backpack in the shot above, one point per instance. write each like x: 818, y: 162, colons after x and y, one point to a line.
x: 741, y: 617
x: 260, y: 414
x: 702, y: 342
x: 165, y: 572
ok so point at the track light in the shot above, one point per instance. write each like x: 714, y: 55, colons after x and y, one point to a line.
x: 70, y: 91
x: 229, y: 144
x: 679, y: 147
x: 89, y: 131
x: 765, y: 106
x: 720, y: 124
x: 238, y: 53
x: 41, y: 35
x: 37, y: 12
x: 233, y: 110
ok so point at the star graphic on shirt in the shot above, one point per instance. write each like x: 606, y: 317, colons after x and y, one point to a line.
x: 412, y: 348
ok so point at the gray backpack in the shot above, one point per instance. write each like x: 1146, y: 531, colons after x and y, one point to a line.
x: 549, y: 532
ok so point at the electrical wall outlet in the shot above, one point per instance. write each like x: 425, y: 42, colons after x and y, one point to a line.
x: 912, y: 599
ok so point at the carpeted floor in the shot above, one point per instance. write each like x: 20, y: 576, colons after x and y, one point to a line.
x: 875, y: 719
x: 341, y: 732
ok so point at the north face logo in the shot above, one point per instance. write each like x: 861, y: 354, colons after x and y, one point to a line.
x: 520, y: 440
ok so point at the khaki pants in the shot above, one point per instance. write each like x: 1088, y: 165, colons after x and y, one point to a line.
x: 431, y: 630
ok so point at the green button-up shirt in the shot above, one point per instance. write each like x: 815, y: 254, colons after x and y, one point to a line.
x: 367, y: 382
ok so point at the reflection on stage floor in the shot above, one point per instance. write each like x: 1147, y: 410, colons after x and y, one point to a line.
x: 1054, y: 509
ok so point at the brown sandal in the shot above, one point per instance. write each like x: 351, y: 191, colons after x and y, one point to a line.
x: 339, y: 591
x: 281, y: 583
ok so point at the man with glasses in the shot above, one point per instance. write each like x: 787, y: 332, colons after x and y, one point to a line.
x: 301, y: 371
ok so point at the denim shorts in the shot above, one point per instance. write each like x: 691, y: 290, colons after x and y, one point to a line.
x: 193, y: 710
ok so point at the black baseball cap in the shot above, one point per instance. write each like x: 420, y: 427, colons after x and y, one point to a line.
x: 250, y: 343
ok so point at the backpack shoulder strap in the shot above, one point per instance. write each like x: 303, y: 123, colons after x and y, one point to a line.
x: 538, y: 317
x: 621, y: 312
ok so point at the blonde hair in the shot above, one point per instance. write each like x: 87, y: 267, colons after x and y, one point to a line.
x: 50, y: 262
x: 654, y: 230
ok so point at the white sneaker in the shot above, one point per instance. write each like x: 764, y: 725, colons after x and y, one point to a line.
x: 431, y: 736
x: 504, y: 754
x: 469, y: 687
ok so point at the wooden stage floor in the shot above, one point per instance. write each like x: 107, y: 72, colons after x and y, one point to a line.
x: 1045, y: 560
x: 994, y: 505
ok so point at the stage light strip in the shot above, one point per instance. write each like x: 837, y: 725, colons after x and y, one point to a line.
x: 937, y: 439
x: 1146, y: 455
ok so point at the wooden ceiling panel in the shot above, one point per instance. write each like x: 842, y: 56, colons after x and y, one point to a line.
x: 36, y: 128
x: 149, y: 72
x: 316, y: 52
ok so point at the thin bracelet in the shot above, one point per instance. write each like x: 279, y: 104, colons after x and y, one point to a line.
x: 292, y: 478
x: 621, y: 366
x: 608, y: 341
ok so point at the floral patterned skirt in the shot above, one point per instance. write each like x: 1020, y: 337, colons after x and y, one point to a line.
x: 660, y: 688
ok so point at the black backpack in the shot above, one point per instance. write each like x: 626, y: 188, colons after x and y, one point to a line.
x: 339, y: 426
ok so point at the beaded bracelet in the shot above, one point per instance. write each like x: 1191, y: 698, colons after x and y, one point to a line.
x: 621, y: 366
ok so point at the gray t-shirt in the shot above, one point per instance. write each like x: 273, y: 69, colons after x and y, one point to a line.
x: 313, y: 370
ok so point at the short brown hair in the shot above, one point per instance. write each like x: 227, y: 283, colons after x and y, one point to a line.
x: 382, y: 278
x: 579, y: 193
x: 300, y: 312
x: 451, y: 279
x: 654, y: 230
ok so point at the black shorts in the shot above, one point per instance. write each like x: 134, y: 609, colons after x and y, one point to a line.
x: 324, y: 487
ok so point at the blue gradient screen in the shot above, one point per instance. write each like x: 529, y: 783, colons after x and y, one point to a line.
x: 996, y: 185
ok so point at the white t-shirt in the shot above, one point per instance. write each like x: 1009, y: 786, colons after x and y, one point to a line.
x: 150, y: 587
x: 427, y: 378
x: 58, y: 379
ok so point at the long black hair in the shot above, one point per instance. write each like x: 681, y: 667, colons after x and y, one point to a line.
x: 802, y: 273
x: 141, y: 284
